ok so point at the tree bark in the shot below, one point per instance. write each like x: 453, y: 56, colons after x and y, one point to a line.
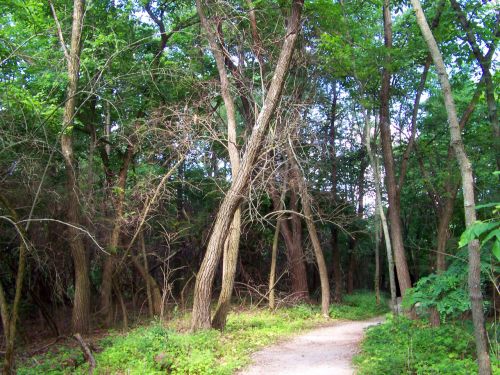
x: 230, y: 255
x: 318, y: 252
x: 234, y: 197
x: 474, y: 279
x: 291, y: 231
x: 392, y: 189
x: 81, y: 303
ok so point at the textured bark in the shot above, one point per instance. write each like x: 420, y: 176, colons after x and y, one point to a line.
x: 318, y: 252
x: 234, y: 197
x: 81, y: 303
x: 230, y: 256
x: 474, y: 279
x: 295, y: 256
x: 392, y: 190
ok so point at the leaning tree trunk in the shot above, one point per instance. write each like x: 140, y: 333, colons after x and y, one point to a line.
x: 230, y: 255
x: 392, y: 191
x: 318, y: 253
x: 313, y: 233
x: 81, y: 303
x: 234, y: 197
x: 468, y: 193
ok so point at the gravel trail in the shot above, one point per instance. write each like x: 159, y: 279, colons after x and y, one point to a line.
x: 322, y: 351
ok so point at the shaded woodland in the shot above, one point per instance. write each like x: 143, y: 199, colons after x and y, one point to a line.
x: 165, y: 156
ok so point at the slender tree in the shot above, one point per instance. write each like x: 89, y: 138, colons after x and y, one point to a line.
x: 474, y: 280
x: 81, y: 303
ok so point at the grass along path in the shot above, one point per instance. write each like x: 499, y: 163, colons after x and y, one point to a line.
x: 167, y: 348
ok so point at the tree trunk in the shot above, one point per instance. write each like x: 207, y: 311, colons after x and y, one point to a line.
x: 392, y: 189
x: 145, y: 262
x: 274, y: 251
x: 351, y: 268
x: 474, y: 279
x: 336, y: 262
x: 114, y: 240
x: 378, y: 205
x: 376, y: 283
x: 295, y: 257
x: 234, y: 197
x: 336, y: 259
x: 318, y: 253
x: 9, y: 318
x: 81, y: 303
x: 231, y: 248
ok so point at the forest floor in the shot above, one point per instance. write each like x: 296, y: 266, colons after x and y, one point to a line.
x: 325, y: 350
x: 167, y: 346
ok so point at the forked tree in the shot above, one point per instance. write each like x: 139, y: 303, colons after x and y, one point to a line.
x: 234, y: 197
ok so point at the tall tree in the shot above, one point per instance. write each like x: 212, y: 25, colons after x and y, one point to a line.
x: 474, y: 279
x: 396, y: 227
x: 81, y: 303
x: 233, y: 198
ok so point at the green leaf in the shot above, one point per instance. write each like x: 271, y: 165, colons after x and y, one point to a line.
x: 496, y: 249
x: 474, y: 231
x: 494, y: 204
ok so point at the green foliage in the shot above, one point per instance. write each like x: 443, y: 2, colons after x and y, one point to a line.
x: 358, y: 306
x: 403, y: 346
x: 448, y: 291
x: 158, y: 348
x: 486, y: 232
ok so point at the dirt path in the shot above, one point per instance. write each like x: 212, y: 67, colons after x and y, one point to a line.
x: 323, y: 351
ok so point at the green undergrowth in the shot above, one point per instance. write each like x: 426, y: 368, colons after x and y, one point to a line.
x: 404, y: 346
x: 160, y: 348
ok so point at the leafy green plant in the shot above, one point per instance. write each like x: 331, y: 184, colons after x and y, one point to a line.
x: 159, y: 348
x: 485, y: 231
x: 404, y: 346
